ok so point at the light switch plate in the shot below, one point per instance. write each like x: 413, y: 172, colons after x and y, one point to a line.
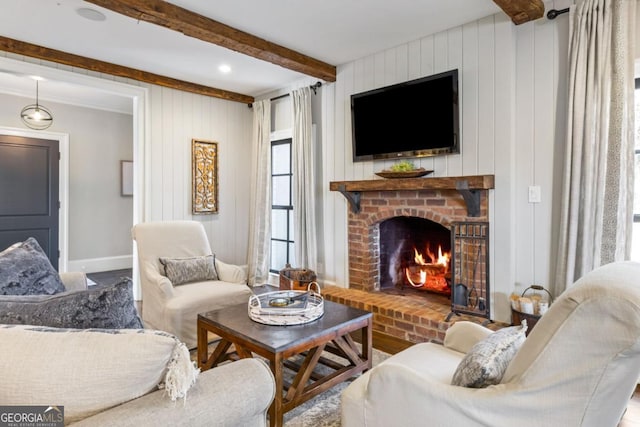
x: 535, y: 194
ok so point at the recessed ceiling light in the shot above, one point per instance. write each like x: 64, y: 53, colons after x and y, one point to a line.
x: 224, y: 68
x: 91, y: 14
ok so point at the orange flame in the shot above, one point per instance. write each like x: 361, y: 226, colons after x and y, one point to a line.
x: 442, y: 259
x: 430, y: 274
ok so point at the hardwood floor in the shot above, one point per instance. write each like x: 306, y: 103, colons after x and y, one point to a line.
x: 383, y: 342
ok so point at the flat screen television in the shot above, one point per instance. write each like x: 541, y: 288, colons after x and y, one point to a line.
x: 417, y: 118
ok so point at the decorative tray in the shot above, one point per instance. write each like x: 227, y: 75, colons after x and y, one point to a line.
x: 287, y: 307
x: 409, y: 174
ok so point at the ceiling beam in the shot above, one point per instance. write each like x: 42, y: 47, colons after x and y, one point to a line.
x: 521, y: 11
x: 200, y: 27
x: 40, y: 52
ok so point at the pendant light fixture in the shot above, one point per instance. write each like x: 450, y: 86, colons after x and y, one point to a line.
x: 36, y: 116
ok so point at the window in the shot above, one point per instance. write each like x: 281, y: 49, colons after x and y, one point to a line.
x: 281, y: 206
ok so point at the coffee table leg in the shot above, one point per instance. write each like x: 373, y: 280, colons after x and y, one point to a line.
x: 367, y: 342
x: 276, y: 412
x: 202, y: 345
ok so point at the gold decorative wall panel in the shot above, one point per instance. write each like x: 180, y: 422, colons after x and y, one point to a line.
x: 204, y: 163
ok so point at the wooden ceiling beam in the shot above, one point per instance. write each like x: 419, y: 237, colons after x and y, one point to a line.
x: 40, y: 52
x: 200, y: 27
x: 521, y: 11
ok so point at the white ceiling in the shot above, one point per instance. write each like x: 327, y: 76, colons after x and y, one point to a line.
x: 333, y: 31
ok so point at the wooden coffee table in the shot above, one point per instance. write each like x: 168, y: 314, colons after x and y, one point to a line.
x: 302, y: 349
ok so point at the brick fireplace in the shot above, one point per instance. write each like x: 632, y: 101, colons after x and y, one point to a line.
x: 442, y: 201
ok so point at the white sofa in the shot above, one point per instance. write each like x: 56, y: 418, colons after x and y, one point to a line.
x: 172, y: 308
x: 125, y: 377
x: 578, y: 367
x: 111, y: 378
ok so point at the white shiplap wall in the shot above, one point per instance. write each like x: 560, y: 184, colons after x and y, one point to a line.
x: 512, y: 125
x: 176, y: 118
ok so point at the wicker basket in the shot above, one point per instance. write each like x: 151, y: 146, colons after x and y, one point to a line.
x: 297, y: 279
x: 518, y: 316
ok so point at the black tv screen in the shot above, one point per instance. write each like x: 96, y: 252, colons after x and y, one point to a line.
x: 417, y: 118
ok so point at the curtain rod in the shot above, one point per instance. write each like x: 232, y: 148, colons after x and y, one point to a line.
x: 313, y: 87
x: 553, y: 13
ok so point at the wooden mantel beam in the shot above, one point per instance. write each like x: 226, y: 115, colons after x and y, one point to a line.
x: 200, y: 27
x: 521, y: 11
x: 35, y: 51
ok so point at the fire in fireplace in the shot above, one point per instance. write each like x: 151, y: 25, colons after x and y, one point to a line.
x: 431, y: 275
x: 415, y: 253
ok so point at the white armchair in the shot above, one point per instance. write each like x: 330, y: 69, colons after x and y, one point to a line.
x: 172, y: 308
x: 578, y: 367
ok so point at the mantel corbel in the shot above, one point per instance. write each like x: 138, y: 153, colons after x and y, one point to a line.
x: 353, y: 197
x: 471, y: 197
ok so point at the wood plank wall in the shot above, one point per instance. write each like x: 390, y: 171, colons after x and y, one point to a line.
x: 176, y: 118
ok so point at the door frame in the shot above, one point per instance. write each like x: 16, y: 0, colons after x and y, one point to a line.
x: 63, y: 184
x: 139, y: 96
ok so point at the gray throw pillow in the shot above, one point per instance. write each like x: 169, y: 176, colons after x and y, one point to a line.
x: 26, y: 270
x: 488, y: 359
x: 186, y: 270
x: 102, y: 306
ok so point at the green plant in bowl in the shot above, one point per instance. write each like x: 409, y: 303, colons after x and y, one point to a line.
x: 403, y: 166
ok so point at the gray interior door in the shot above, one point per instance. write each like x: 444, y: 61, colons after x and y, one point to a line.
x: 29, y: 192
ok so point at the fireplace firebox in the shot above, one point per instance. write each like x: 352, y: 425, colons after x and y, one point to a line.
x: 414, y: 253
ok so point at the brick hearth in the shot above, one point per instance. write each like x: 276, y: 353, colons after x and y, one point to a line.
x: 414, y: 319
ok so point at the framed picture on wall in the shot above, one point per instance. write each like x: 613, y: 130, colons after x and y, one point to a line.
x: 204, y: 165
x: 126, y: 178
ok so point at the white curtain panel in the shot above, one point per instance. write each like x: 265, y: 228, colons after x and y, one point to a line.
x: 597, y: 199
x: 304, y: 223
x: 260, y: 213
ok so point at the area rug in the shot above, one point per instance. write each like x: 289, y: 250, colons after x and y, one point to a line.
x: 324, y: 409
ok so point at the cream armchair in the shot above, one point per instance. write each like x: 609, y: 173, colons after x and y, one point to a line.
x: 578, y: 367
x: 172, y: 308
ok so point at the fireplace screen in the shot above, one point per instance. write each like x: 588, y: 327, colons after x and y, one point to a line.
x: 470, y: 269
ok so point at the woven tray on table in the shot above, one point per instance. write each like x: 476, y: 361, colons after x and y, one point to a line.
x: 287, y: 307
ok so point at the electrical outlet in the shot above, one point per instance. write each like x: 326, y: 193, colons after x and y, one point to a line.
x: 535, y: 194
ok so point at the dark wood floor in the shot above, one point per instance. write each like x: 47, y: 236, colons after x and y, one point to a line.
x: 382, y: 342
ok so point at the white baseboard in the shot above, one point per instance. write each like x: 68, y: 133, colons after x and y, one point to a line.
x: 94, y: 265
